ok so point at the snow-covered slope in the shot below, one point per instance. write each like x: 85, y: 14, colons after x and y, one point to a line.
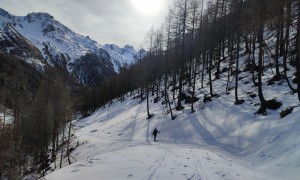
x: 116, y: 143
x: 12, y: 42
x: 220, y: 140
x: 61, y: 46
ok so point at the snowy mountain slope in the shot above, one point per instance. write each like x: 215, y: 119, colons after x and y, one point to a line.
x: 116, y: 143
x: 12, y: 42
x: 61, y: 46
x: 123, y: 56
x: 220, y: 140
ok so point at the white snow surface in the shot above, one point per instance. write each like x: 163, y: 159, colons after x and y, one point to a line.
x: 219, y: 141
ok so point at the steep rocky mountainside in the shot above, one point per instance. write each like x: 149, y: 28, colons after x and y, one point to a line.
x: 40, y: 40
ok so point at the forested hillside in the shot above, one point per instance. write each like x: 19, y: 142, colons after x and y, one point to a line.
x: 250, y: 36
x: 239, y: 59
x: 35, y: 109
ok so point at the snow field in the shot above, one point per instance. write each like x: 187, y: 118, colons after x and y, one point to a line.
x: 216, y: 142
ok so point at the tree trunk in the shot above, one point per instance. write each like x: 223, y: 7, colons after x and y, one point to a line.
x: 141, y: 95
x: 152, y: 89
x: 287, y: 42
x: 217, y: 76
x: 174, y: 84
x: 298, y: 52
x: 157, y: 89
x: 281, y: 21
x: 179, y: 106
x: 260, y: 60
x: 194, y: 86
x: 68, y: 142
x: 16, y: 117
x: 4, y: 114
x: 277, y: 45
x: 53, y: 154
x: 203, y: 70
x: 230, y: 49
x: 167, y: 96
x: 182, y: 59
x: 237, y: 69
x: 62, y: 148
x: 247, y: 44
x: 253, y: 64
x: 192, y: 44
x: 209, y: 71
x: 148, y: 113
x: 224, y: 29
x: 237, y: 101
x: 215, y: 40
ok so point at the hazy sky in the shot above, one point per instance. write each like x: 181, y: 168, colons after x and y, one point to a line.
x: 106, y: 21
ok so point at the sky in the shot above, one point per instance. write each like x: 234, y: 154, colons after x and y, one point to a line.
x: 118, y: 22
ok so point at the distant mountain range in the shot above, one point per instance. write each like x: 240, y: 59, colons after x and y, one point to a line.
x: 41, y: 40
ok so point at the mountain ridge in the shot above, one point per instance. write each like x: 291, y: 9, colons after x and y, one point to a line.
x: 60, y: 46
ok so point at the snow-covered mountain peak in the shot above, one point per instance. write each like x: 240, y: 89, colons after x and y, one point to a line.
x: 123, y: 56
x: 32, y: 17
x: 128, y: 47
x: 60, y: 46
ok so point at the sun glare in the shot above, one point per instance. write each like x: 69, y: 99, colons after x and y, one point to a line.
x: 148, y: 7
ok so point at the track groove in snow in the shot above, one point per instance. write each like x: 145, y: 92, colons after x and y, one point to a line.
x: 134, y: 121
x: 198, y: 167
x: 150, y: 173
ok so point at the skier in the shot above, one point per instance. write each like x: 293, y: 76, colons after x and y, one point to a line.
x: 155, y: 133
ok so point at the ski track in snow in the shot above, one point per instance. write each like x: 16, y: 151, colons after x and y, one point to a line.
x: 134, y: 121
x: 150, y: 173
x: 198, y: 166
